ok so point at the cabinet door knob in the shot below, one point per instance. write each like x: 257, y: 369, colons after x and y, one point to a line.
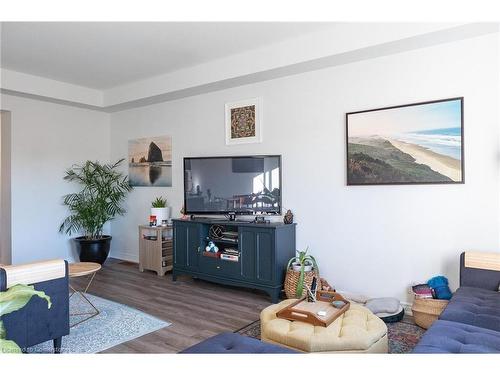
x: 218, y: 267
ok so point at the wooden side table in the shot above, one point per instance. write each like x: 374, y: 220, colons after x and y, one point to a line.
x: 155, y: 249
x: 78, y: 270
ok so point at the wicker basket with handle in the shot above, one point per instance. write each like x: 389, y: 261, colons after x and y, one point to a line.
x: 426, y: 310
x: 292, y: 279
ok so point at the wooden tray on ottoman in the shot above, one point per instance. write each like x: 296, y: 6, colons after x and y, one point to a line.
x: 307, y: 312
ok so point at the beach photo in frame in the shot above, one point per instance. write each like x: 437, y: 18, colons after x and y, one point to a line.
x: 243, y: 122
x: 150, y: 161
x: 418, y: 143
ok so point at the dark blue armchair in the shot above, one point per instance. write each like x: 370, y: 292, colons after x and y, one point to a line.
x: 35, y: 323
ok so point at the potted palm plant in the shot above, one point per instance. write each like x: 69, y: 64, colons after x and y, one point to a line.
x: 301, y: 270
x: 103, y: 192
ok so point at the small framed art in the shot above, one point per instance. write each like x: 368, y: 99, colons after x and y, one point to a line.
x: 243, y: 122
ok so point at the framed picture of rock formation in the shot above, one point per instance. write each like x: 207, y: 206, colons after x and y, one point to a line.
x: 150, y: 161
x: 243, y: 122
x: 420, y: 143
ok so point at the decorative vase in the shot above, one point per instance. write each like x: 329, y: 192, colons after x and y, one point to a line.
x: 297, y: 266
x: 161, y: 214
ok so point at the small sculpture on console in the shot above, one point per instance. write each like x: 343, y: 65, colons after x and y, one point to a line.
x: 212, y: 248
x: 183, y: 213
x: 288, y: 218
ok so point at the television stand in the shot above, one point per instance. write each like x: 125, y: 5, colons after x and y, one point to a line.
x: 252, y: 255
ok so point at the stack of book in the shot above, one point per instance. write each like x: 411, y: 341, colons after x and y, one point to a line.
x: 232, y: 255
x: 230, y: 236
x: 422, y: 291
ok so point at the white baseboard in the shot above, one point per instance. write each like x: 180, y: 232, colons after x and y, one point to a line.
x: 362, y: 299
x: 407, y: 307
x: 125, y: 255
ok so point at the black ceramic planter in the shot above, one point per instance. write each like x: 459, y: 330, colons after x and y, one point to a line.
x: 93, y: 250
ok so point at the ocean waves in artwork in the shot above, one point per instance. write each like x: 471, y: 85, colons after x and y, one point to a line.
x: 442, y: 141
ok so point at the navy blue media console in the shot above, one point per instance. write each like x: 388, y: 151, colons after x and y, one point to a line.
x: 264, y: 250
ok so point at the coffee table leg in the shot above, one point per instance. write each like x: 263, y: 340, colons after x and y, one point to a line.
x: 82, y: 294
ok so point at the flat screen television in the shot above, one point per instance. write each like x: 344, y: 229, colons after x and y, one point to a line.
x: 244, y: 185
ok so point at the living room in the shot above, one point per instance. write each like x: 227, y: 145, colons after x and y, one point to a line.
x: 195, y: 160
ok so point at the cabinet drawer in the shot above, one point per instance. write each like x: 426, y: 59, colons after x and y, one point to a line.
x: 215, y: 267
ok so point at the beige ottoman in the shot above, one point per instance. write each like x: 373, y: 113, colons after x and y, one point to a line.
x: 357, y: 331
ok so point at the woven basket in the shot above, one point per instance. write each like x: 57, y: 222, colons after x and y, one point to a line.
x: 292, y: 279
x: 426, y: 310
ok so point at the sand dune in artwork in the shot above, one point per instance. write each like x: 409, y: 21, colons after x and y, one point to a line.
x: 443, y: 164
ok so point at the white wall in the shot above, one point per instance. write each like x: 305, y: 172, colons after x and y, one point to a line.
x: 374, y: 240
x: 5, y: 200
x: 46, y: 140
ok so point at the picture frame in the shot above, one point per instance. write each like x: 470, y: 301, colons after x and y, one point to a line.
x: 243, y: 121
x: 150, y: 161
x: 417, y: 143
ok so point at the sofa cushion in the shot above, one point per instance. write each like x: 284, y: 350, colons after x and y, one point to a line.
x: 227, y: 343
x: 474, y: 306
x: 452, y: 337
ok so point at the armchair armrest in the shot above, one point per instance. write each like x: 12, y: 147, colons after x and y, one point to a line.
x: 31, y: 273
x: 480, y: 270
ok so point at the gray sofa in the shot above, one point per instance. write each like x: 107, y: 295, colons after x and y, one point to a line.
x: 471, y: 321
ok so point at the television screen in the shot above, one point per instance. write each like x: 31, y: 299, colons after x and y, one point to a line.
x: 241, y: 184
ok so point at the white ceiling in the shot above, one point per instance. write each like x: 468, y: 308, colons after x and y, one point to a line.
x: 117, y: 66
x: 110, y: 54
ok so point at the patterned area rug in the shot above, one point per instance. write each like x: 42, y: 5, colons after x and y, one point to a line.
x: 115, y: 324
x: 403, y: 335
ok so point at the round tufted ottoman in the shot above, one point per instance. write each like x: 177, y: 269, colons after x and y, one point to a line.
x: 357, y: 331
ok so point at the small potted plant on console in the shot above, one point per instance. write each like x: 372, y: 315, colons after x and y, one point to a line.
x: 300, y: 271
x: 160, y: 210
x: 103, y: 191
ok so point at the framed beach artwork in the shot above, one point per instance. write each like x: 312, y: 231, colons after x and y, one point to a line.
x: 150, y: 161
x: 243, y: 122
x: 420, y: 143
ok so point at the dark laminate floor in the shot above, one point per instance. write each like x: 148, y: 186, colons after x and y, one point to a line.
x: 196, y: 309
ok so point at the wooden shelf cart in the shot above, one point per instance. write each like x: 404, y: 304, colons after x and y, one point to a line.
x: 155, y: 249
